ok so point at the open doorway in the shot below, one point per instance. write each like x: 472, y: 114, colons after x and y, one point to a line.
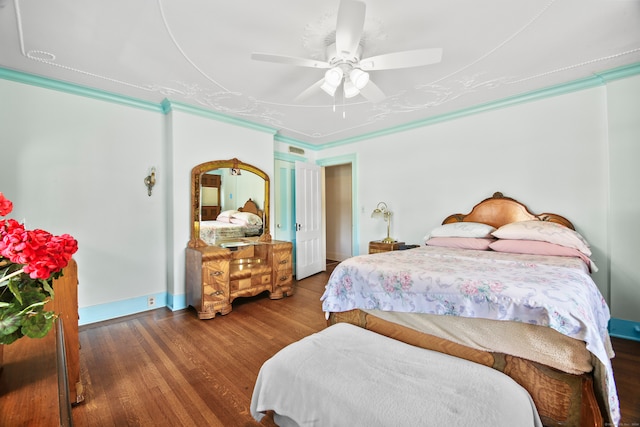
x: 338, y: 191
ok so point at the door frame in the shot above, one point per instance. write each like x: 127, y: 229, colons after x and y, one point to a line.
x: 353, y: 160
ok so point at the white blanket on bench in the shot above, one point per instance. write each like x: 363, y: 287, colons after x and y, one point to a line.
x: 349, y: 376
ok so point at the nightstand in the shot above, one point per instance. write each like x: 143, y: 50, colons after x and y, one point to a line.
x: 378, y: 246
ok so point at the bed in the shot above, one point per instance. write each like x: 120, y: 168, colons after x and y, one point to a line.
x: 230, y: 225
x: 331, y: 378
x: 535, y: 315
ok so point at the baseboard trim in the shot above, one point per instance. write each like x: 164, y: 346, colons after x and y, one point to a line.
x: 177, y: 302
x: 112, y: 310
x: 626, y: 329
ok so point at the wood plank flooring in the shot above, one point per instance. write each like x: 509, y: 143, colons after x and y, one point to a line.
x: 163, y: 368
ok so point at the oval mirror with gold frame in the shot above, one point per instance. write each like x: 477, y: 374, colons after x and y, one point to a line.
x: 231, y: 177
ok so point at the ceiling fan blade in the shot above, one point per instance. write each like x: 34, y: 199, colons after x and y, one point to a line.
x: 290, y: 60
x: 349, y: 26
x: 308, y: 92
x: 406, y: 59
x: 373, y: 93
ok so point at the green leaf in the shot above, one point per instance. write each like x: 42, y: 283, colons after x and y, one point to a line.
x: 47, y: 287
x: 10, y: 323
x: 13, y: 287
x: 37, y: 326
x: 8, y: 339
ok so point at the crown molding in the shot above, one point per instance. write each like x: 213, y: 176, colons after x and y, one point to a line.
x: 75, y: 89
x: 598, y: 79
x: 166, y: 106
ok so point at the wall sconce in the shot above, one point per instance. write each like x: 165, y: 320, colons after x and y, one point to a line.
x: 150, y: 180
x: 382, y: 211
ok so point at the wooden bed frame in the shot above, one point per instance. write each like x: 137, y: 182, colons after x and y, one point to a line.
x: 250, y: 206
x: 562, y: 399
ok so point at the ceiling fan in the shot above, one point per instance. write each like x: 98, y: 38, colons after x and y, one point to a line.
x: 344, y: 64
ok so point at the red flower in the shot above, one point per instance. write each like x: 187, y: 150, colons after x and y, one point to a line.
x: 41, y: 253
x: 12, y: 237
x: 5, y: 205
x: 29, y: 261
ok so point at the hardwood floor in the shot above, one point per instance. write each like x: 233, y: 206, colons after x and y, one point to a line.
x: 626, y: 371
x: 163, y: 368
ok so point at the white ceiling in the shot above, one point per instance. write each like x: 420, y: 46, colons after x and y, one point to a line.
x: 198, y: 52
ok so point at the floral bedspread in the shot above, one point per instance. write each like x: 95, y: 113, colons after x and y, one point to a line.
x: 552, y: 291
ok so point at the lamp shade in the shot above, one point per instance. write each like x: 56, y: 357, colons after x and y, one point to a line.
x: 380, y: 211
x: 377, y: 213
x: 328, y: 88
x: 350, y: 90
x: 333, y: 76
x: 359, y: 78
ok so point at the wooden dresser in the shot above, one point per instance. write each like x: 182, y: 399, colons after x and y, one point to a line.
x: 40, y: 378
x: 216, y: 275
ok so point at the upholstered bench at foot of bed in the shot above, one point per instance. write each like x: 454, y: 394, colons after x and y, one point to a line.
x: 349, y: 376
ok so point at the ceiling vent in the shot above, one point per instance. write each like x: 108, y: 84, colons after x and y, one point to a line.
x: 296, y: 150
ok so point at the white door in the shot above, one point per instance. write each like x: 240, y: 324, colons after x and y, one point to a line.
x: 310, y: 250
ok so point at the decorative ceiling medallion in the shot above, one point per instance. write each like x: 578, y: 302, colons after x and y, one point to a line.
x: 40, y: 55
x: 225, y: 102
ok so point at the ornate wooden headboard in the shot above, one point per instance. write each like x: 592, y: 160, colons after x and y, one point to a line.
x: 499, y: 210
x: 250, y: 206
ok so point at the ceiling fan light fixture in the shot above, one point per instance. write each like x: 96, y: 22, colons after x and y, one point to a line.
x: 359, y: 78
x: 334, y: 76
x: 328, y: 88
x: 350, y: 90
x: 344, y: 63
x: 332, y: 79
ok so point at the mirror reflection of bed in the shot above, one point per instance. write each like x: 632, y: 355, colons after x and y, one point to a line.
x: 233, y: 225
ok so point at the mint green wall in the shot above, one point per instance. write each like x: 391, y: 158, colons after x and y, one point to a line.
x: 623, y: 102
x: 76, y: 164
x: 551, y: 154
x: 74, y: 161
x: 568, y: 150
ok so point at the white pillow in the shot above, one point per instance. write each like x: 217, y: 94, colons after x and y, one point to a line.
x: 544, y: 231
x: 462, y: 229
x: 227, y: 214
x: 248, y: 217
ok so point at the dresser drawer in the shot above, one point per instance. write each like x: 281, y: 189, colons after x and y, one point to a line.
x: 283, y: 271
x: 284, y: 277
x: 282, y: 260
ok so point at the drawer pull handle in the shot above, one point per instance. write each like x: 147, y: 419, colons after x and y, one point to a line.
x: 216, y: 273
x: 213, y: 294
x: 283, y: 278
x: 284, y: 261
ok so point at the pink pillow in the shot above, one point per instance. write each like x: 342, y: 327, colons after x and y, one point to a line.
x: 543, y: 231
x: 535, y: 247
x: 479, y: 244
